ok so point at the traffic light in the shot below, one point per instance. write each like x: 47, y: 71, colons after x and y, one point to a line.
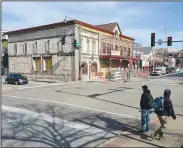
x: 169, y: 41
x: 76, y: 44
x: 152, y: 39
x: 63, y: 40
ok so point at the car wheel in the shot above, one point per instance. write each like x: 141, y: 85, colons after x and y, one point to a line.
x: 16, y: 82
x: 6, y: 82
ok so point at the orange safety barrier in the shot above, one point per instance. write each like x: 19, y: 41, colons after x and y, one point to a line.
x: 98, y: 76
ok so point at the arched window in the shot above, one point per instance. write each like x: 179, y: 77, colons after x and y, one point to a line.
x: 94, y: 67
x: 116, y: 33
x: 84, y: 68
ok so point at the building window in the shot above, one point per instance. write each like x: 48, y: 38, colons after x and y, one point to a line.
x: 35, y: 47
x: 88, y: 45
x: 15, y: 49
x: 94, y: 67
x: 104, y: 47
x: 47, y: 64
x: 116, y: 33
x: 84, y: 68
x: 94, y: 45
x: 121, y: 50
x: 47, y: 46
x: 109, y: 48
x: 59, y: 45
x: 129, y: 51
x: 125, y: 52
x: 116, y: 47
x: 25, y: 48
x: 36, y: 64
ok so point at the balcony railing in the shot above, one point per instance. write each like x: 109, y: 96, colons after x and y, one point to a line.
x: 115, y: 53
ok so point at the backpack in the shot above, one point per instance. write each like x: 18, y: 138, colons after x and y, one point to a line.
x: 158, y: 106
x: 151, y: 100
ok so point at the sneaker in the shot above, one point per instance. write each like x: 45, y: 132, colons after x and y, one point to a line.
x: 152, y: 136
x: 143, y: 132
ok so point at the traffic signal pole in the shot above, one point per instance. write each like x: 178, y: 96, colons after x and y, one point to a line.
x: 172, y: 41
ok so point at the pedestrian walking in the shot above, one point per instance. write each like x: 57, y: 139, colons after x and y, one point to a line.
x: 145, y: 109
x: 163, y: 108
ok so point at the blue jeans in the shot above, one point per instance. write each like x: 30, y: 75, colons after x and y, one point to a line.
x: 145, y: 120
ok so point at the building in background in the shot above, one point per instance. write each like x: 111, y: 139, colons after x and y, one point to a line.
x: 40, y: 51
x: 4, y: 52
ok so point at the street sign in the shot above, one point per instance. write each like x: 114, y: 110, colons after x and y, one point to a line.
x: 160, y: 42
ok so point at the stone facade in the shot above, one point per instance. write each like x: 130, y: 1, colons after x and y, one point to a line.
x: 20, y: 64
x: 63, y: 59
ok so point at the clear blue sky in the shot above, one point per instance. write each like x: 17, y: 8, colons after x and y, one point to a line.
x: 136, y: 19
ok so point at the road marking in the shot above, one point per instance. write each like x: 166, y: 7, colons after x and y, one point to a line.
x: 87, y: 108
x: 32, y: 90
x: 46, y: 85
x: 160, y: 83
x: 45, y: 117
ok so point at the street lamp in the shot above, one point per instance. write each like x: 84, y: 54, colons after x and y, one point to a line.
x: 165, y: 33
x: 79, y: 28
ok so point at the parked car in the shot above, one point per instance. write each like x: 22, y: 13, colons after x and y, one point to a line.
x: 157, y: 71
x: 16, y: 78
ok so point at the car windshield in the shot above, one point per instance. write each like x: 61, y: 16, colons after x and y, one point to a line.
x: 19, y: 76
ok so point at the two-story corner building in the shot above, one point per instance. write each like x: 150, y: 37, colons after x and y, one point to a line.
x: 40, y: 50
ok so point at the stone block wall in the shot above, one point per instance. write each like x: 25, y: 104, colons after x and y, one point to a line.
x: 64, y: 66
x: 20, y: 64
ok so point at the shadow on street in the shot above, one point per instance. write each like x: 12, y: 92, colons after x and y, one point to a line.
x: 25, y: 129
x: 94, y: 96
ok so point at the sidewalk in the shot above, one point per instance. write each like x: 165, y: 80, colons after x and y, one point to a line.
x: 172, y: 138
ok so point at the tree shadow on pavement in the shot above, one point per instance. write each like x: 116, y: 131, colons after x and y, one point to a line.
x: 18, y: 130
x: 94, y: 96
x: 26, y: 130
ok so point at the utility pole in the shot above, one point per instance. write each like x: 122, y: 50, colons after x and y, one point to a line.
x: 80, y: 52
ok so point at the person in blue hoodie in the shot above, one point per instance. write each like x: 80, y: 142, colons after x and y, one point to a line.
x: 163, y: 112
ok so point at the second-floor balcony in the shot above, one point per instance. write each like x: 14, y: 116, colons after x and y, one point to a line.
x: 115, y: 53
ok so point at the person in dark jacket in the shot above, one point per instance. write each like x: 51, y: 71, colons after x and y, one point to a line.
x: 167, y: 112
x: 145, y: 107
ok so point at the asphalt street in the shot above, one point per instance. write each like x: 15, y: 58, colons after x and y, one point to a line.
x: 76, y: 114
